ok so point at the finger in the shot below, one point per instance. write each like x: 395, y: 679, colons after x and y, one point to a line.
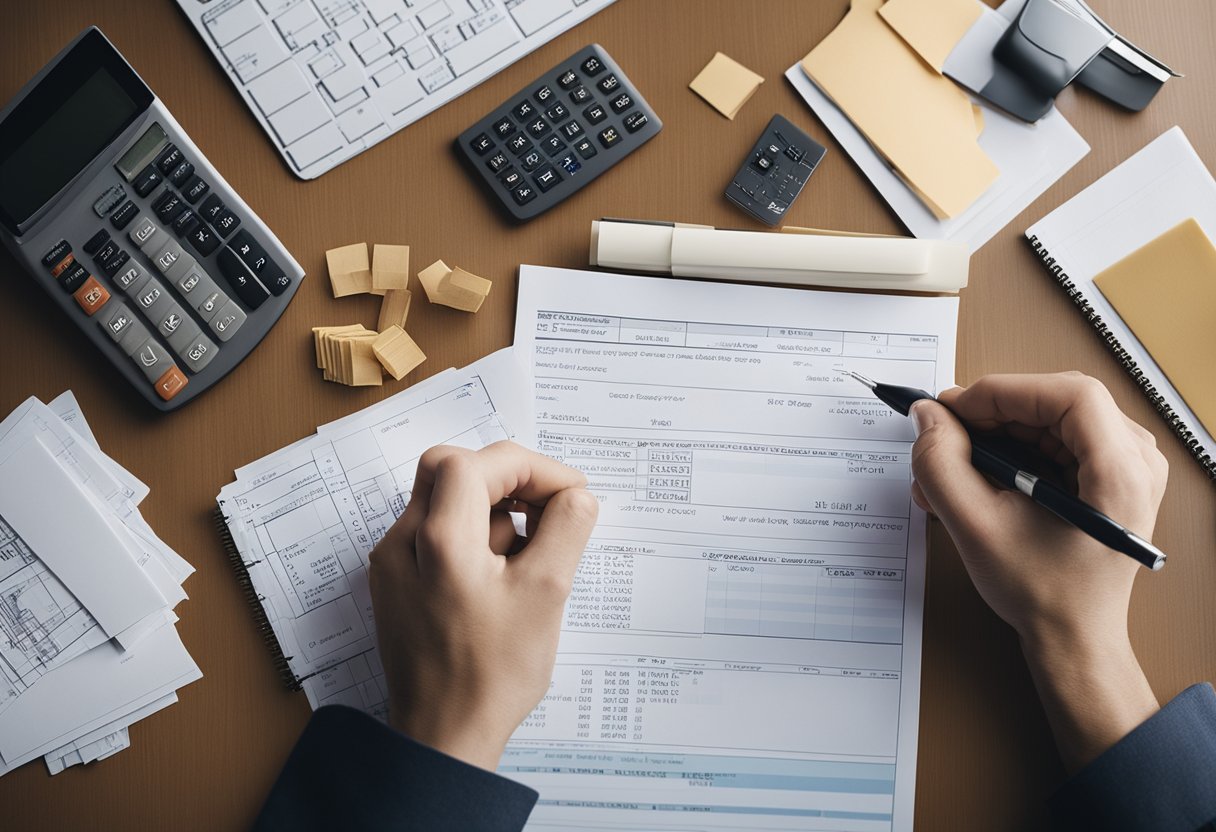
x: 416, y: 509
x: 941, y: 464
x: 502, y: 533
x: 510, y: 470
x: 552, y: 554
x: 459, y: 509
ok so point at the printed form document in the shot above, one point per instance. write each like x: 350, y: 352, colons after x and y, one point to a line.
x: 742, y: 646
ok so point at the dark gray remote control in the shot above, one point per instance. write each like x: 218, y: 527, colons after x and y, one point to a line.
x: 775, y: 171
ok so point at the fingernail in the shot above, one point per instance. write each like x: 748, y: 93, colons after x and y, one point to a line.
x: 922, y: 416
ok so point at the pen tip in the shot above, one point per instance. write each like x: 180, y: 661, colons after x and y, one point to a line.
x: 867, y: 382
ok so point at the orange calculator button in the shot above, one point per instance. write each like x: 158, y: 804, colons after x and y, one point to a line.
x: 170, y: 384
x: 91, y: 296
x: 62, y: 265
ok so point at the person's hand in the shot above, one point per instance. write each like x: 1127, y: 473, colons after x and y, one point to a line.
x: 467, y: 614
x: 1065, y: 594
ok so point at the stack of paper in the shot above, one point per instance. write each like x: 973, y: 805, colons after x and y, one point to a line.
x: 304, y: 520
x: 87, y: 592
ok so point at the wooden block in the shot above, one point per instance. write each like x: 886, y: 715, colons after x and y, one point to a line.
x: 464, y: 291
x: 349, y: 272
x: 329, y: 357
x: 430, y: 278
x: 394, y: 308
x: 362, y: 368
x: 318, y: 333
x: 397, y: 352
x: 390, y: 267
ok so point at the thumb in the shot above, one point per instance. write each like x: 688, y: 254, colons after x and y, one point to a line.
x: 555, y: 548
x: 941, y: 466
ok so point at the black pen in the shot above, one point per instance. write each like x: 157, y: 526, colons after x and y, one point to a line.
x: 1059, y: 502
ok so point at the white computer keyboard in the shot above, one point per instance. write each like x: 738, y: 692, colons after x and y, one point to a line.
x: 328, y: 79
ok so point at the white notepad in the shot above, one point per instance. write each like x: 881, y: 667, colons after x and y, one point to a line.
x: 1160, y: 186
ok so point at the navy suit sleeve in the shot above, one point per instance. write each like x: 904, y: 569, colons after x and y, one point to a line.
x: 1160, y: 777
x: 348, y: 771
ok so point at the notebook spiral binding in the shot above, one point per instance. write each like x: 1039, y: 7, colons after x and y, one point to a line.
x: 254, y: 600
x: 1142, y: 381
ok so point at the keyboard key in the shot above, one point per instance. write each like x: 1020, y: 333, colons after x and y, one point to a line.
x: 191, y: 280
x: 608, y: 84
x: 241, y: 279
x: 147, y: 180
x: 523, y: 194
x: 557, y: 113
x: 59, y: 251
x: 129, y: 278
x: 211, y: 208
x: 520, y: 144
x: 152, y: 359
x: 546, y: 178
x: 198, y: 353
x: 167, y: 207
x: 225, y: 223
x: 171, y: 383
x: 482, y: 144
x: 96, y: 241
x: 621, y: 103
x: 592, y: 66
x: 504, y: 127
x: 167, y: 257
x: 227, y: 320
x: 636, y: 121
x: 73, y: 278
x: 572, y: 130
x: 595, y: 113
x: 553, y: 146
x: 195, y: 189
x: 538, y: 128
x: 117, y: 322
x: 567, y: 79
x: 609, y: 137
x: 203, y: 239
x: 168, y: 159
x: 181, y: 173
x: 110, y: 267
x: 570, y: 163
x: 543, y: 95
x: 585, y: 148
x: 123, y: 216
x: 149, y: 294
x: 63, y: 265
x: 511, y: 179
x: 211, y: 303
x: 497, y: 162
x: 274, y: 279
x: 174, y: 319
x: 91, y: 296
x: 247, y: 248
x: 531, y: 161
x: 795, y: 153
x: 143, y: 231
x: 106, y: 251
x: 580, y: 95
x: 523, y: 109
x: 186, y: 222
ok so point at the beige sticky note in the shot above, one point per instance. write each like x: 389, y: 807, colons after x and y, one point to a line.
x: 397, y: 352
x: 931, y: 27
x: 394, y: 308
x: 1165, y: 291
x: 464, y: 291
x: 318, y: 333
x: 918, y: 119
x: 390, y: 267
x: 349, y: 271
x: 430, y: 278
x: 726, y: 84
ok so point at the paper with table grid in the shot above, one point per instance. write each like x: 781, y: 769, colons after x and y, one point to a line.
x: 328, y: 79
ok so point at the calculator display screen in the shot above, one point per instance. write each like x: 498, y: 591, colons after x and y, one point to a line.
x: 74, y: 112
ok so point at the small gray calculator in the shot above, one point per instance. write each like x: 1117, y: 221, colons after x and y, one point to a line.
x: 114, y: 211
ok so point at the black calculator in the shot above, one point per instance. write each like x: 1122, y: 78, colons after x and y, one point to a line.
x: 114, y: 211
x: 558, y: 133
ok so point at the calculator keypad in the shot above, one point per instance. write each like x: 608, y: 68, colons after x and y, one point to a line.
x: 557, y: 128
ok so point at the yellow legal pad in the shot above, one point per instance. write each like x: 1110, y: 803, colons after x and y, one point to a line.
x: 1165, y: 291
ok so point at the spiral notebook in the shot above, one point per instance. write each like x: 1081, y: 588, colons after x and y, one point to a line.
x: 1162, y: 185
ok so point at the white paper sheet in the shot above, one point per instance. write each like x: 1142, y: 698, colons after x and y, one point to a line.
x: 742, y: 646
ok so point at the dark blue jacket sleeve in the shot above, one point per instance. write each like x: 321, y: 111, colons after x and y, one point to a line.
x: 1160, y: 777
x: 348, y: 771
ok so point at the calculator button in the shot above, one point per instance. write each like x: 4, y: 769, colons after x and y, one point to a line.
x: 198, y: 353
x: 152, y: 358
x: 186, y: 222
x: 250, y: 252
x: 585, y: 148
x: 195, y: 189
x: 553, y: 146
x: 123, y: 216
x: 595, y: 113
x: 181, y: 268
x: 96, y: 241
x: 104, y: 253
x: 203, y: 239
x: 129, y: 278
x: 546, y: 178
x: 511, y: 179
x: 592, y: 66
x: 143, y: 230
x: 636, y: 121
x: 762, y: 163
x: 110, y: 199
x: 557, y: 113
x: 795, y: 153
x: 91, y: 296
x: 569, y: 163
x: 227, y: 321
x: 73, y: 278
x: 211, y: 208
x: 608, y: 84
x: 181, y: 173
x: 497, y: 162
x: 60, y: 250
x: 149, y: 294
x: 171, y: 383
x: 523, y: 194
x: 519, y: 144
x: 538, y: 128
x: 543, y: 95
x: 191, y: 280
x: 110, y: 267
x: 531, y: 161
x: 622, y: 103
x: 504, y: 127
x: 225, y: 223
x: 567, y: 79
x: 147, y: 180
x: 167, y: 206
x: 482, y: 144
x: 168, y: 159
x: 241, y: 278
x: 186, y: 334
x: 609, y: 137
x: 572, y: 130
x: 168, y: 256
x: 173, y: 319
x: 580, y: 95
x: 211, y: 303
x: 117, y: 322
x: 133, y: 334
x: 275, y: 279
x: 63, y: 265
x: 523, y: 109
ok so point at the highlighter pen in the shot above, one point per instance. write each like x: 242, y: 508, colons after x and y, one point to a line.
x: 1059, y: 502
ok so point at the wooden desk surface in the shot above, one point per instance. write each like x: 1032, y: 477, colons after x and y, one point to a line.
x: 986, y: 756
